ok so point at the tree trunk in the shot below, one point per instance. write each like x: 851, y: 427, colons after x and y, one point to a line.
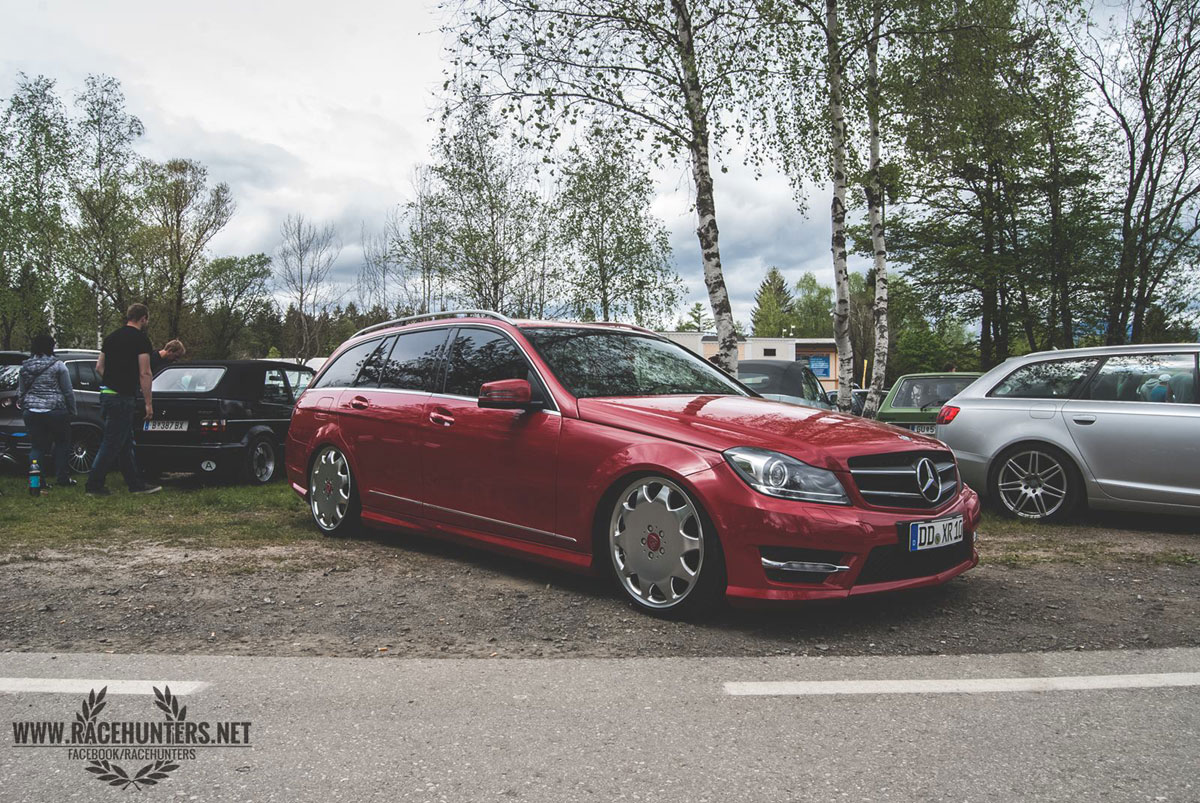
x: 875, y: 215
x: 837, y: 141
x: 706, y: 231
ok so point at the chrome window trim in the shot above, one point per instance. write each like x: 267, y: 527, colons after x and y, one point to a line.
x: 525, y: 353
x: 474, y: 516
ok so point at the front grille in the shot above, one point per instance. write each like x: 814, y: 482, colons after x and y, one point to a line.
x: 894, y: 562
x: 890, y: 480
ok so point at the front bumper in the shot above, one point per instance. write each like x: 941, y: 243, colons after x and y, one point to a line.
x: 851, y: 550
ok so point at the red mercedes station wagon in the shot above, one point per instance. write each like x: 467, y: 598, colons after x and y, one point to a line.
x: 608, y: 448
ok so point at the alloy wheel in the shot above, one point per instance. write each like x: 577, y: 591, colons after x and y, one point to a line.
x: 329, y: 489
x: 82, y: 452
x: 1033, y: 484
x: 656, y: 543
x: 262, y: 461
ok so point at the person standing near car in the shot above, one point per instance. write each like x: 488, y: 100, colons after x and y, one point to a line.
x: 124, y: 367
x: 45, y: 396
x: 168, y: 354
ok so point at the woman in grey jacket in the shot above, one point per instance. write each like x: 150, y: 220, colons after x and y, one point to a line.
x: 47, y: 400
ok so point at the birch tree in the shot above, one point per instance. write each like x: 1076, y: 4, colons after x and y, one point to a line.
x: 670, y: 75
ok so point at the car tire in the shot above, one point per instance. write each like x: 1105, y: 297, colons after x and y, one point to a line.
x: 663, y: 549
x: 1035, y: 482
x: 260, y: 464
x: 332, y: 494
x: 85, y: 442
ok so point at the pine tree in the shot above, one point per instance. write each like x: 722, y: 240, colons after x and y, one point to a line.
x: 772, y: 315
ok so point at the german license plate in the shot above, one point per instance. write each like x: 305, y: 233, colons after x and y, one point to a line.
x: 934, y: 534
x: 164, y: 426
x: 924, y: 429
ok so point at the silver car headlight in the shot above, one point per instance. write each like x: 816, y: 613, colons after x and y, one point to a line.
x: 776, y: 474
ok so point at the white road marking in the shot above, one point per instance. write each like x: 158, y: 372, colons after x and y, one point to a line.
x: 84, y: 685
x: 965, y: 685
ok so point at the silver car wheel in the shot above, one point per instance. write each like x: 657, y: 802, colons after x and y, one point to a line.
x: 656, y: 542
x: 1033, y: 484
x: 262, y: 461
x: 82, y: 452
x: 329, y: 488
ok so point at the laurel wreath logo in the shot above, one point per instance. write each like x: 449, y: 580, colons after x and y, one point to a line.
x: 115, y: 774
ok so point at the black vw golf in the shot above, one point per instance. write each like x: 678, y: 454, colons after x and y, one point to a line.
x: 224, y: 417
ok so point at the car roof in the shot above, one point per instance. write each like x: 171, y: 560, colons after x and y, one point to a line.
x: 1137, y: 348
x: 280, y: 364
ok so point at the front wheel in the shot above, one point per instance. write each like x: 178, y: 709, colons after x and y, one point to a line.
x: 664, y: 553
x: 332, y: 497
x: 85, y: 442
x: 1037, y: 482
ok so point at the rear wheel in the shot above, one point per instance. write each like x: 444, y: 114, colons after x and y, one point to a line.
x: 332, y: 497
x: 261, y: 463
x: 1036, y: 482
x: 664, y: 553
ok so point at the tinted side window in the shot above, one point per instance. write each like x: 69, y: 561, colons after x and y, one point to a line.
x: 1058, y: 379
x: 83, y: 375
x: 476, y: 356
x: 372, y: 367
x: 414, y: 363
x: 1146, y: 378
x: 345, y: 368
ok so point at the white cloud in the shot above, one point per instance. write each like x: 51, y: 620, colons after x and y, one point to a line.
x: 324, y: 109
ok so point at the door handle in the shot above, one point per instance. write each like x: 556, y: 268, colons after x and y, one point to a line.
x: 1084, y: 419
x: 360, y: 403
x: 444, y: 419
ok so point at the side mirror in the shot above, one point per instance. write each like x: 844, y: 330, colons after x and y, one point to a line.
x: 507, y: 394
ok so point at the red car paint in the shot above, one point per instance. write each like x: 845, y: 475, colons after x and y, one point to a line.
x: 534, y: 483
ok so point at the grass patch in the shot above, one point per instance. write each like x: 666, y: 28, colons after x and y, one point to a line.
x: 184, y: 513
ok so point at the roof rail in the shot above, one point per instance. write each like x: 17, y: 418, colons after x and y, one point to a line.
x: 429, y: 316
x: 619, y: 325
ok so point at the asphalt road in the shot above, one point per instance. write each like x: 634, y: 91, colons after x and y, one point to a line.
x: 682, y: 729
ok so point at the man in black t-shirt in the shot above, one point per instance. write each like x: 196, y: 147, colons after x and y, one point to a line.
x: 124, y: 367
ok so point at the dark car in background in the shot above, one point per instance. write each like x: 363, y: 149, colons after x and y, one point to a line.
x: 221, y: 417
x: 858, y: 400
x: 783, y: 380
x: 86, y: 425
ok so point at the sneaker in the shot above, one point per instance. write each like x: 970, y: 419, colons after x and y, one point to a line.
x: 98, y: 491
x: 69, y: 481
x: 149, y: 489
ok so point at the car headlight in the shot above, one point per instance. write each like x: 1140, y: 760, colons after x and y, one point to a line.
x: 776, y: 474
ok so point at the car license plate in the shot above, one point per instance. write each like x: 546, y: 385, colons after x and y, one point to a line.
x: 924, y: 429
x: 936, y: 533
x: 164, y: 426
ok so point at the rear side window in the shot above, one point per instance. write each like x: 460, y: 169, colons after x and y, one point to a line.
x: 185, y: 379
x: 345, y: 368
x: 1058, y: 379
x: 476, y: 356
x: 83, y: 375
x: 415, y: 361
x: 1146, y: 378
x: 372, y: 367
x: 275, y: 390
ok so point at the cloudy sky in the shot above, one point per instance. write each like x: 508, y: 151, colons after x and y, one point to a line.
x: 323, y: 108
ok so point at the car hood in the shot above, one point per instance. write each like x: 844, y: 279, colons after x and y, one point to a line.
x: 818, y: 437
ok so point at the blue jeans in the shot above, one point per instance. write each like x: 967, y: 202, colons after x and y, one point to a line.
x: 49, y: 432
x: 116, y: 446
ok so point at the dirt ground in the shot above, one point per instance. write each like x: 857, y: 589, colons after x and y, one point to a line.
x: 1103, y: 582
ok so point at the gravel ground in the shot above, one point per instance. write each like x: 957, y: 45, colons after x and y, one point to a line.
x: 1037, y: 589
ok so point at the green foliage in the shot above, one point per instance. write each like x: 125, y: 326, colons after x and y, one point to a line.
x: 696, y: 319
x: 812, y: 308
x: 772, y: 315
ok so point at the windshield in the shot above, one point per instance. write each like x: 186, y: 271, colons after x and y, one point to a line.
x: 923, y: 392
x: 591, y: 362
x: 184, y: 379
